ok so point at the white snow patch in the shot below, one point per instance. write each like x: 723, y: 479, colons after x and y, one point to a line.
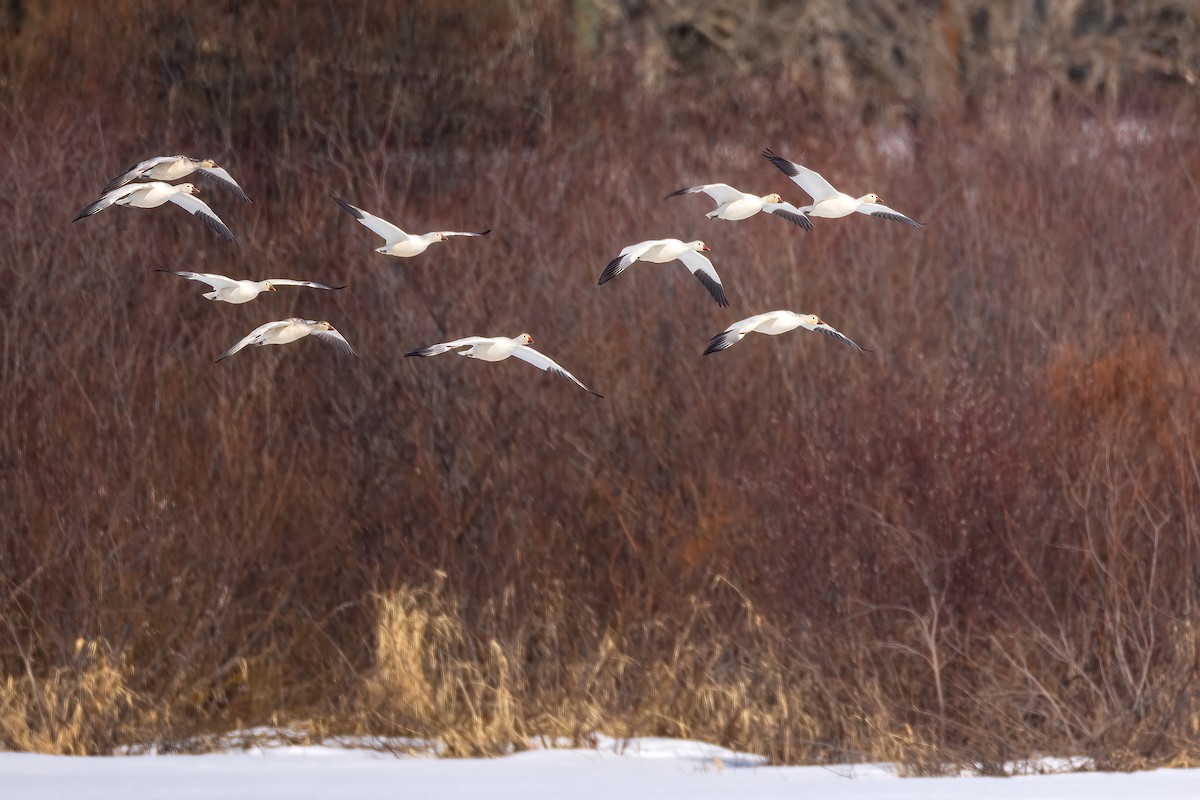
x: 628, y: 770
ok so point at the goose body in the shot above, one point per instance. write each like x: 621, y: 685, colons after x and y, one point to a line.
x: 172, y: 168
x: 660, y: 251
x: 774, y: 323
x: 228, y: 290
x: 397, y: 243
x: 154, y: 194
x: 498, y: 348
x: 285, y: 331
x: 828, y: 202
x: 733, y: 204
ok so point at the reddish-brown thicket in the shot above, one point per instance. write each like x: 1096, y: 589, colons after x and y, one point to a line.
x: 975, y: 543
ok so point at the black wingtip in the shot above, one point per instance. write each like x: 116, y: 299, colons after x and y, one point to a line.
x: 87, y: 212
x: 897, y: 217
x: 218, y: 227
x: 715, y: 289
x: 784, y: 166
x: 722, y: 341
x: 611, y: 271
x: 678, y: 192
x: 484, y: 233
x: 354, y: 212
x: 800, y: 219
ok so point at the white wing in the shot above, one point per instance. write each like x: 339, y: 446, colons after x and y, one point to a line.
x: 220, y: 174
x: 290, y: 282
x: 737, y: 331
x: 111, y: 196
x: 336, y: 339
x: 445, y: 347
x: 460, y: 233
x: 531, y: 356
x: 721, y: 192
x: 703, y: 269
x: 723, y: 340
x: 254, y: 337
x: 197, y: 207
x: 137, y: 171
x: 381, y: 227
x: 880, y: 210
x: 213, y: 280
x: 812, y: 183
x: 636, y: 250
x: 790, y: 213
x: 629, y: 255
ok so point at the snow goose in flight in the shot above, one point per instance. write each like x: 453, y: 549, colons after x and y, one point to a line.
x: 153, y: 195
x: 733, y: 204
x: 230, y: 291
x: 289, y: 330
x: 774, y: 323
x: 172, y: 168
x: 397, y: 242
x: 499, y: 348
x: 829, y: 202
x: 660, y: 251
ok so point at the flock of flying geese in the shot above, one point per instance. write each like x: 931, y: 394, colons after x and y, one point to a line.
x: 147, y: 186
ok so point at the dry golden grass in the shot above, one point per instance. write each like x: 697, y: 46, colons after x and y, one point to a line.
x: 431, y: 679
x: 84, y: 707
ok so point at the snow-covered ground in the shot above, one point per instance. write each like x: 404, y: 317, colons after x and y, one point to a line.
x: 645, y: 768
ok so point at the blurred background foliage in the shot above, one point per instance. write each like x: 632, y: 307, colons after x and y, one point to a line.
x: 976, y: 545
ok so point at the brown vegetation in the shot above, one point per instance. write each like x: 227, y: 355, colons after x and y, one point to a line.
x: 976, y: 544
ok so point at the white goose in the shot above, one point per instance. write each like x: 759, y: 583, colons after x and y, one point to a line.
x: 228, y: 290
x: 153, y: 195
x: 172, y: 168
x: 498, y: 348
x: 828, y: 202
x: 733, y: 204
x: 774, y: 323
x: 397, y: 242
x: 289, y: 330
x: 660, y: 251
